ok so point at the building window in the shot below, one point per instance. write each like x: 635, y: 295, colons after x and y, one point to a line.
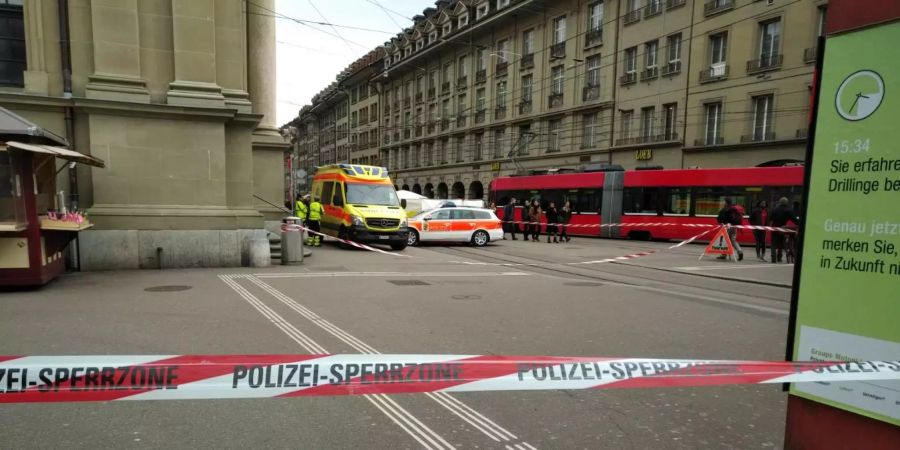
x: 462, y: 67
x: 525, y: 137
x: 589, y: 137
x: 592, y: 74
x: 480, y: 99
x: 671, y: 114
x: 499, y: 142
x: 480, y: 59
x: 673, y: 48
x: 458, y: 148
x: 630, y: 60
x: 554, y: 131
x: 432, y: 37
x: 713, y: 133
x: 595, y: 17
x: 463, y: 20
x: 559, y: 30
x: 528, y: 42
x: 420, y: 44
x: 626, y: 124
x: 482, y: 10
x: 12, y: 44
x: 479, y: 147
x: 503, y: 50
x: 647, y: 116
x: 448, y: 27
x: 770, y: 37
x: 650, y: 54
x: 718, y: 46
x: 762, y: 117
x: 527, y: 84
x: 557, y: 75
x: 502, y: 4
x: 501, y: 94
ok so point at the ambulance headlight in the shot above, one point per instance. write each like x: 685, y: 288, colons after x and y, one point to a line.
x: 357, y: 221
x: 403, y: 223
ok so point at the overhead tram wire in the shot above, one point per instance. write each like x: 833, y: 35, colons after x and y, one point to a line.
x: 338, y: 33
x: 315, y: 22
x: 388, y: 11
x: 283, y: 16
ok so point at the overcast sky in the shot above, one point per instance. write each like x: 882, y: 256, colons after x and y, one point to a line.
x: 309, y: 56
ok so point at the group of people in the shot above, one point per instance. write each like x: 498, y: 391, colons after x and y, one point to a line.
x: 780, y: 216
x: 310, y: 212
x: 532, y: 214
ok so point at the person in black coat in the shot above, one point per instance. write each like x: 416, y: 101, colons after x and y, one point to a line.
x: 760, y: 216
x: 552, y: 215
x: 509, y: 218
x: 780, y: 216
x: 729, y: 215
x: 565, y: 215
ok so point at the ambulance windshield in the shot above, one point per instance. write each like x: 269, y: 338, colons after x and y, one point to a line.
x: 372, y: 194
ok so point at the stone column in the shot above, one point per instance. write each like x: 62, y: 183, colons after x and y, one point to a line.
x: 231, y: 53
x: 44, y: 70
x: 268, y: 144
x: 117, y: 56
x: 194, y: 39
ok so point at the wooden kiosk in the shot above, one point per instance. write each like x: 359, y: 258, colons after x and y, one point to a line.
x: 32, y: 243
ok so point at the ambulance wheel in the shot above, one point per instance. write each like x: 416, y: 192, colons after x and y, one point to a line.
x: 398, y: 246
x: 412, y: 238
x: 342, y: 234
x: 480, y: 238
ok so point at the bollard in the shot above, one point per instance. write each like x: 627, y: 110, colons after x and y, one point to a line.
x: 260, y: 256
x: 291, y: 247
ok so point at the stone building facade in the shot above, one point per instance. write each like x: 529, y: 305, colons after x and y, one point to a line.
x: 178, y: 98
x: 477, y: 89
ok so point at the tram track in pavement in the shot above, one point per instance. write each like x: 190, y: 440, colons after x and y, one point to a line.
x: 723, y: 295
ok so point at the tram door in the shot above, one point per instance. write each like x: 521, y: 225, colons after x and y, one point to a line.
x: 611, y: 210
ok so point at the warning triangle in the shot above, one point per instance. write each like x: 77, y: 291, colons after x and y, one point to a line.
x: 720, y: 244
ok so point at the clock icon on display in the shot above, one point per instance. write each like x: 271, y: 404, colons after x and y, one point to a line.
x: 859, y: 95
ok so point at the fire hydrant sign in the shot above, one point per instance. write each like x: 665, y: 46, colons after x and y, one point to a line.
x: 848, y: 301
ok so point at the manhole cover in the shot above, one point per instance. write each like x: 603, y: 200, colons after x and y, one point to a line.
x: 583, y: 284
x: 171, y: 288
x: 408, y: 282
x: 465, y: 297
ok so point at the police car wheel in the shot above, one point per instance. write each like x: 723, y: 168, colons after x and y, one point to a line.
x: 480, y: 238
x: 412, y: 238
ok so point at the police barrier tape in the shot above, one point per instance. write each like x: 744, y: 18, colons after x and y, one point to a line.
x: 656, y: 224
x: 295, y: 227
x: 106, y: 378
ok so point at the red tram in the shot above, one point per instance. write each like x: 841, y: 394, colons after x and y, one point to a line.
x: 633, y: 198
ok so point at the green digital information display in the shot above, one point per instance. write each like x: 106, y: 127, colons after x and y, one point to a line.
x: 849, y: 293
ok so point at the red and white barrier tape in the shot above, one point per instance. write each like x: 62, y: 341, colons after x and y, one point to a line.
x: 106, y: 378
x: 655, y: 224
x: 295, y: 227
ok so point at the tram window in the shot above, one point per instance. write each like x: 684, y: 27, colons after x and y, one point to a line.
x: 585, y: 200
x: 642, y: 200
x: 677, y: 201
x: 708, y: 201
x: 553, y: 195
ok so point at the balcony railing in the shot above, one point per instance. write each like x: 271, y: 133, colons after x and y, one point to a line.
x: 555, y: 100
x: 481, y: 76
x: 501, y: 69
x: 462, y: 83
x: 527, y: 61
x: 653, y: 9
x: 632, y: 17
x: 759, y: 137
x: 717, y: 6
x: 714, y: 73
x: 718, y: 140
x: 671, y: 68
x: 809, y: 55
x: 525, y: 107
x: 593, y: 37
x: 626, y: 141
x: 445, y: 87
x: 500, y: 113
x: 479, y: 116
x: 649, y: 73
x: 461, y: 121
x: 558, y: 50
x: 766, y: 63
x: 590, y: 93
x: 672, y: 4
x: 432, y: 92
x: 419, y: 97
x: 628, y: 78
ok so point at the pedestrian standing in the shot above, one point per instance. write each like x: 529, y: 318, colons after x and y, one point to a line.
x: 315, y: 216
x: 534, y: 216
x: 509, y: 218
x: 552, y: 222
x: 565, y: 215
x: 759, y: 216
x: 781, y: 215
x: 730, y: 216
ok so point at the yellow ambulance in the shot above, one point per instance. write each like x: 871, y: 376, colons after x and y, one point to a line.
x: 360, y: 204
